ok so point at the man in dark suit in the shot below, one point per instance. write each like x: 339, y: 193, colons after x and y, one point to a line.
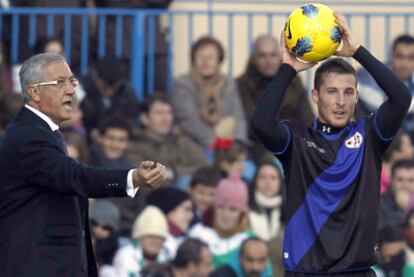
x: 43, y: 193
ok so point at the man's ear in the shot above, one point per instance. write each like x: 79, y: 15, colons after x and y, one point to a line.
x: 34, y: 93
x: 144, y: 119
x: 357, y: 96
x: 315, y: 96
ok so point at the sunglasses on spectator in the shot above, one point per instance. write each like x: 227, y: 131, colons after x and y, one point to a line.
x: 60, y: 83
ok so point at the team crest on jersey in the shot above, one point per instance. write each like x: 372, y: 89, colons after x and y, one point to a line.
x: 355, y: 141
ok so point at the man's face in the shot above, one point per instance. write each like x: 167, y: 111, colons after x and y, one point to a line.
x: 403, y: 60
x: 403, y: 179
x: 205, y: 267
x: 253, y: 258
x: 114, y: 142
x: 336, y: 99
x: 202, y: 196
x: 55, y: 102
x: 267, y: 57
x: 159, y: 118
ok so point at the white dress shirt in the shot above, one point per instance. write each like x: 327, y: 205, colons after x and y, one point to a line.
x: 130, y: 190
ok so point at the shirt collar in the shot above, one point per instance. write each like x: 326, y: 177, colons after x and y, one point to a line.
x: 47, y: 119
x: 325, y: 128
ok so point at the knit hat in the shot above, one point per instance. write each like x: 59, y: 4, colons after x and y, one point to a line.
x: 167, y: 198
x: 106, y: 212
x: 231, y: 192
x: 150, y: 222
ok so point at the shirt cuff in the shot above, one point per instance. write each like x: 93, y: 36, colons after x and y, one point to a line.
x: 130, y: 190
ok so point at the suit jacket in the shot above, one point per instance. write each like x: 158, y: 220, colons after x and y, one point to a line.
x: 44, y: 227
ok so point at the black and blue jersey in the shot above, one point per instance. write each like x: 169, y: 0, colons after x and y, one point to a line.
x: 332, y: 176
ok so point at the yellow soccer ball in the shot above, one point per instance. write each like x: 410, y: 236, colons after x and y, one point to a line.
x: 311, y: 33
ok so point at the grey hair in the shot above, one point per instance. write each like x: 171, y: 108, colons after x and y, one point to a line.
x: 262, y: 38
x: 33, y: 70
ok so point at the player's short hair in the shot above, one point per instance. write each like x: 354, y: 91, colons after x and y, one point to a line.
x: 334, y: 65
x: 207, y: 40
x: 402, y: 39
x: 405, y: 163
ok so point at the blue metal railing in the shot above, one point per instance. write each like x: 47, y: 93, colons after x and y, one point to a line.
x: 142, y: 35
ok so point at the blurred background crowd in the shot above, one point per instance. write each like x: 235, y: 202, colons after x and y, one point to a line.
x: 221, y: 211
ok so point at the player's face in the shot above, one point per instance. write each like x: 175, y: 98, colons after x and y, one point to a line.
x: 336, y: 99
x: 403, y: 60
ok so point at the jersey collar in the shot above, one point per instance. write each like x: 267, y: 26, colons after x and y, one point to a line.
x: 325, y: 128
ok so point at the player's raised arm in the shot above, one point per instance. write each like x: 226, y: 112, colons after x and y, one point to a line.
x: 275, y: 135
x: 391, y: 113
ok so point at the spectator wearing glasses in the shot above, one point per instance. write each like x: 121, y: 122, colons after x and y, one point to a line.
x: 44, y: 193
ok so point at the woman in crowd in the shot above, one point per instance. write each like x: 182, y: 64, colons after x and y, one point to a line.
x: 224, y: 227
x: 205, y: 96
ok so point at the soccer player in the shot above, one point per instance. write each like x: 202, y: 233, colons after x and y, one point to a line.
x: 332, y: 167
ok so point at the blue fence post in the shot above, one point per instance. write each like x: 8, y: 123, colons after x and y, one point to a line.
x: 15, y: 38
x: 138, y: 54
x: 32, y: 30
x: 84, y: 45
x: 151, y: 54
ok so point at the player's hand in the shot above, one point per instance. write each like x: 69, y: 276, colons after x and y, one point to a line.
x: 150, y: 174
x: 348, y: 46
x: 291, y: 60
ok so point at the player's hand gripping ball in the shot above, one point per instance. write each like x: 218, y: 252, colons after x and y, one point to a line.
x: 311, y: 33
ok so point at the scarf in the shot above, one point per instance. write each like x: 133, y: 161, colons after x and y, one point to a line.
x: 268, y: 202
x: 209, y: 101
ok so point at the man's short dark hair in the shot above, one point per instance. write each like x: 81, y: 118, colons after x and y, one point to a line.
x: 147, y: 103
x: 405, y: 163
x: 246, y: 241
x: 207, y: 40
x: 402, y: 39
x: 189, y: 251
x: 334, y: 65
x: 207, y: 176
x: 114, y: 122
